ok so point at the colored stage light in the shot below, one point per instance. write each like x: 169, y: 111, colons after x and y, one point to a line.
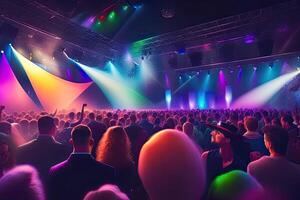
x: 168, y: 97
x: 101, y: 18
x: 128, y: 57
x: 192, y: 100
x: 116, y: 91
x: 112, y: 15
x: 12, y: 95
x: 228, y: 96
x: 249, y: 39
x: 52, y: 91
x: 2, y: 51
x: 125, y: 7
x: 201, y: 100
x: 260, y: 95
x: 146, y: 72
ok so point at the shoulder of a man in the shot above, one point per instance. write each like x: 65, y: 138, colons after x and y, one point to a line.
x: 58, y: 168
x: 257, y: 164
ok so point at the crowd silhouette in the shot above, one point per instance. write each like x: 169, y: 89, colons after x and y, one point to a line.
x: 150, y: 154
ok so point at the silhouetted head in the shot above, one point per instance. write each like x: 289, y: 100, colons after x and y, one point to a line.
x: 46, y: 125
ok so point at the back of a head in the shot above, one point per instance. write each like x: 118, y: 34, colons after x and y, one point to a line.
x: 21, y: 183
x: 164, y: 162
x: 288, y: 119
x: 132, y: 118
x: 251, y: 124
x: 157, y: 121
x: 188, y: 128
x: 45, y: 124
x: 81, y: 135
x: 92, y: 116
x: 71, y: 115
x: 5, y: 127
x: 106, y: 192
x: 114, y: 148
x: 235, y: 185
x: 278, y: 138
x: 144, y: 115
x: 234, y: 116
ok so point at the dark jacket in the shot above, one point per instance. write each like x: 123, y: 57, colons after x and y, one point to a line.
x: 76, y: 176
x: 42, y: 153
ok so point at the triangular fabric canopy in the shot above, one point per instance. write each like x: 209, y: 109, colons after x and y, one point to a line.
x: 12, y: 95
x: 52, y: 91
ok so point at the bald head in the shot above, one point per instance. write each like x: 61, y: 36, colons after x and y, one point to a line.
x: 170, y: 167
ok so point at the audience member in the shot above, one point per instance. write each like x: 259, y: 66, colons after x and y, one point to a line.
x: 137, y: 135
x: 114, y: 150
x: 254, y: 138
x: 156, y: 126
x: 45, y: 151
x: 287, y: 122
x: 275, y: 173
x: 188, y: 129
x: 145, y: 124
x: 5, y: 127
x: 231, y: 153
x: 98, y: 129
x: 80, y: 173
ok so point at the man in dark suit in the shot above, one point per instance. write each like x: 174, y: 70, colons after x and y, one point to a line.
x: 80, y: 173
x: 45, y: 151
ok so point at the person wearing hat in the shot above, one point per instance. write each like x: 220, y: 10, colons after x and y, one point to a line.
x: 232, y: 152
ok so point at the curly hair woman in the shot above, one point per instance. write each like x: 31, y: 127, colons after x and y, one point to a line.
x: 114, y: 149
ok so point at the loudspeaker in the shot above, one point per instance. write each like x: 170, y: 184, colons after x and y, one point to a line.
x: 8, y: 33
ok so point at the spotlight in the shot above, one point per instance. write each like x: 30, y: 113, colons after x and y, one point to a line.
x: 125, y: 7
x: 190, y: 76
x: 179, y: 77
x: 254, y: 68
x: 249, y: 39
x: 2, y: 51
x: 298, y: 68
x: 270, y: 66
